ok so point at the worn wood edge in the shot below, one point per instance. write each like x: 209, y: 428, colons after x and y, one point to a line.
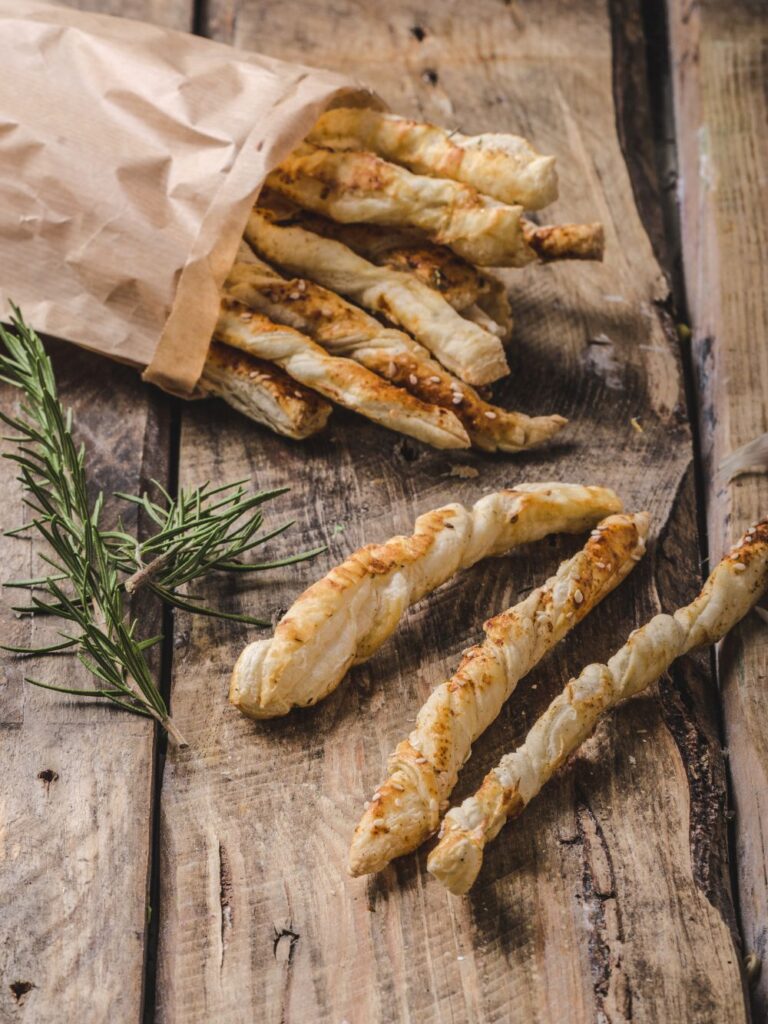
x: 688, y: 693
x: 723, y: 344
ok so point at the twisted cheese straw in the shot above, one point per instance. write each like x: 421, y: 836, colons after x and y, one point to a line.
x: 347, y: 331
x: 459, y: 282
x: 341, y: 380
x: 735, y: 585
x: 342, y: 619
x: 553, y: 242
x: 500, y: 165
x: 360, y: 187
x: 424, y: 768
x: 475, y: 355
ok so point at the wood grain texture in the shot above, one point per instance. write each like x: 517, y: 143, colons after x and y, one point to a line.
x: 75, y: 823
x: 720, y: 69
x: 608, y: 900
x: 178, y: 14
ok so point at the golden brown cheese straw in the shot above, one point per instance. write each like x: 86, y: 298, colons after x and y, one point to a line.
x: 565, y: 241
x: 346, y: 330
x: 500, y: 165
x: 458, y: 281
x: 353, y: 187
x: 263, y: 392
x: 341, y: 380
x: 477, y: 295
x: 734, y: 587
x: 344, y: 618
x: 474, y: 355
x: 423, y: 769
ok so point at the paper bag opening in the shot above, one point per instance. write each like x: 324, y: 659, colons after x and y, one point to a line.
x: 130, y: 156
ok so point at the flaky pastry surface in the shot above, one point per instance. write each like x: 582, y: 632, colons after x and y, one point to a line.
x: 473, y: 354
x: 735, y: 585
x: 423, y: 769
x: 263, y: 392
x: 345, y: 617
x: 504, y: 166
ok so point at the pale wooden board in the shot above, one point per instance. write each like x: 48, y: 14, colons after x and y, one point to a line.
x: 74, y: 870
x: 602, y: 901
x: 76, y: 842
x: 720, y: 68
x: 178, y: 14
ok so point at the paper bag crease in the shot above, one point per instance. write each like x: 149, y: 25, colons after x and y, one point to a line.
x: 130, y: 156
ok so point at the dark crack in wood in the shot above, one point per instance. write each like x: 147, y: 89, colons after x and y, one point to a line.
x: 285, y: 932
x: 226, y: 891
x: 707, y: 792
x: 612, y: 987
x: 634, y: 121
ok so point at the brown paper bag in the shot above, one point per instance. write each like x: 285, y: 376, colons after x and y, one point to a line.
x: 130, y: 156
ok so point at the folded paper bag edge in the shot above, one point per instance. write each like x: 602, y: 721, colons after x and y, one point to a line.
x: 129, y: 169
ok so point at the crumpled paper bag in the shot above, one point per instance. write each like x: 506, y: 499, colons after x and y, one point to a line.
x: 130, y: 156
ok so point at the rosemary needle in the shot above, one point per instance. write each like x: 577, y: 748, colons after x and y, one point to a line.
x: 92, y: 568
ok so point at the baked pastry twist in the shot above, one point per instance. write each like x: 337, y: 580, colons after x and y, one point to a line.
x: 342, y: 619
x: 423, y: 769
x: 345, y: 330
x: 460, y: 283
x: 735, y: 585
x: 553, y: 242
x: 353, y: 187
x: 504, y: 166
x: 475, y: 355
x: 263, y: 392
x: 341, y: 380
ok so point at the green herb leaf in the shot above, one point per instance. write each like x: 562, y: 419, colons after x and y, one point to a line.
x: 199, y: 531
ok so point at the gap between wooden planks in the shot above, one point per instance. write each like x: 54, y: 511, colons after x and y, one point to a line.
x: 720, y: 69
x: 608, y: 898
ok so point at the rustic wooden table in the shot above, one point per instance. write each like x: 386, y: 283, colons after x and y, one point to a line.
x: 209, y: 885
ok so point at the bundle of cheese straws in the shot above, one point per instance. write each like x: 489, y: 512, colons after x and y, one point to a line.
x: 345, y: 617
x: 362, y: 279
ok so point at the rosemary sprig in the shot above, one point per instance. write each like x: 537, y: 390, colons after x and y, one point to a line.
x: 201, y: 531
x: 92, y: 568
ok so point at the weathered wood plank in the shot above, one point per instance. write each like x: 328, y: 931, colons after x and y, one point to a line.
x: 76, y: 807
x: 608, y: 899
x: 178, y: 14
x: 720, y: 69
x: 77, y: 799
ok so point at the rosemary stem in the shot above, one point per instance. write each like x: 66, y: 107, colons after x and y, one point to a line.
x: 146, y: 572
x: 91, y: 569
x: 171, y: 728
